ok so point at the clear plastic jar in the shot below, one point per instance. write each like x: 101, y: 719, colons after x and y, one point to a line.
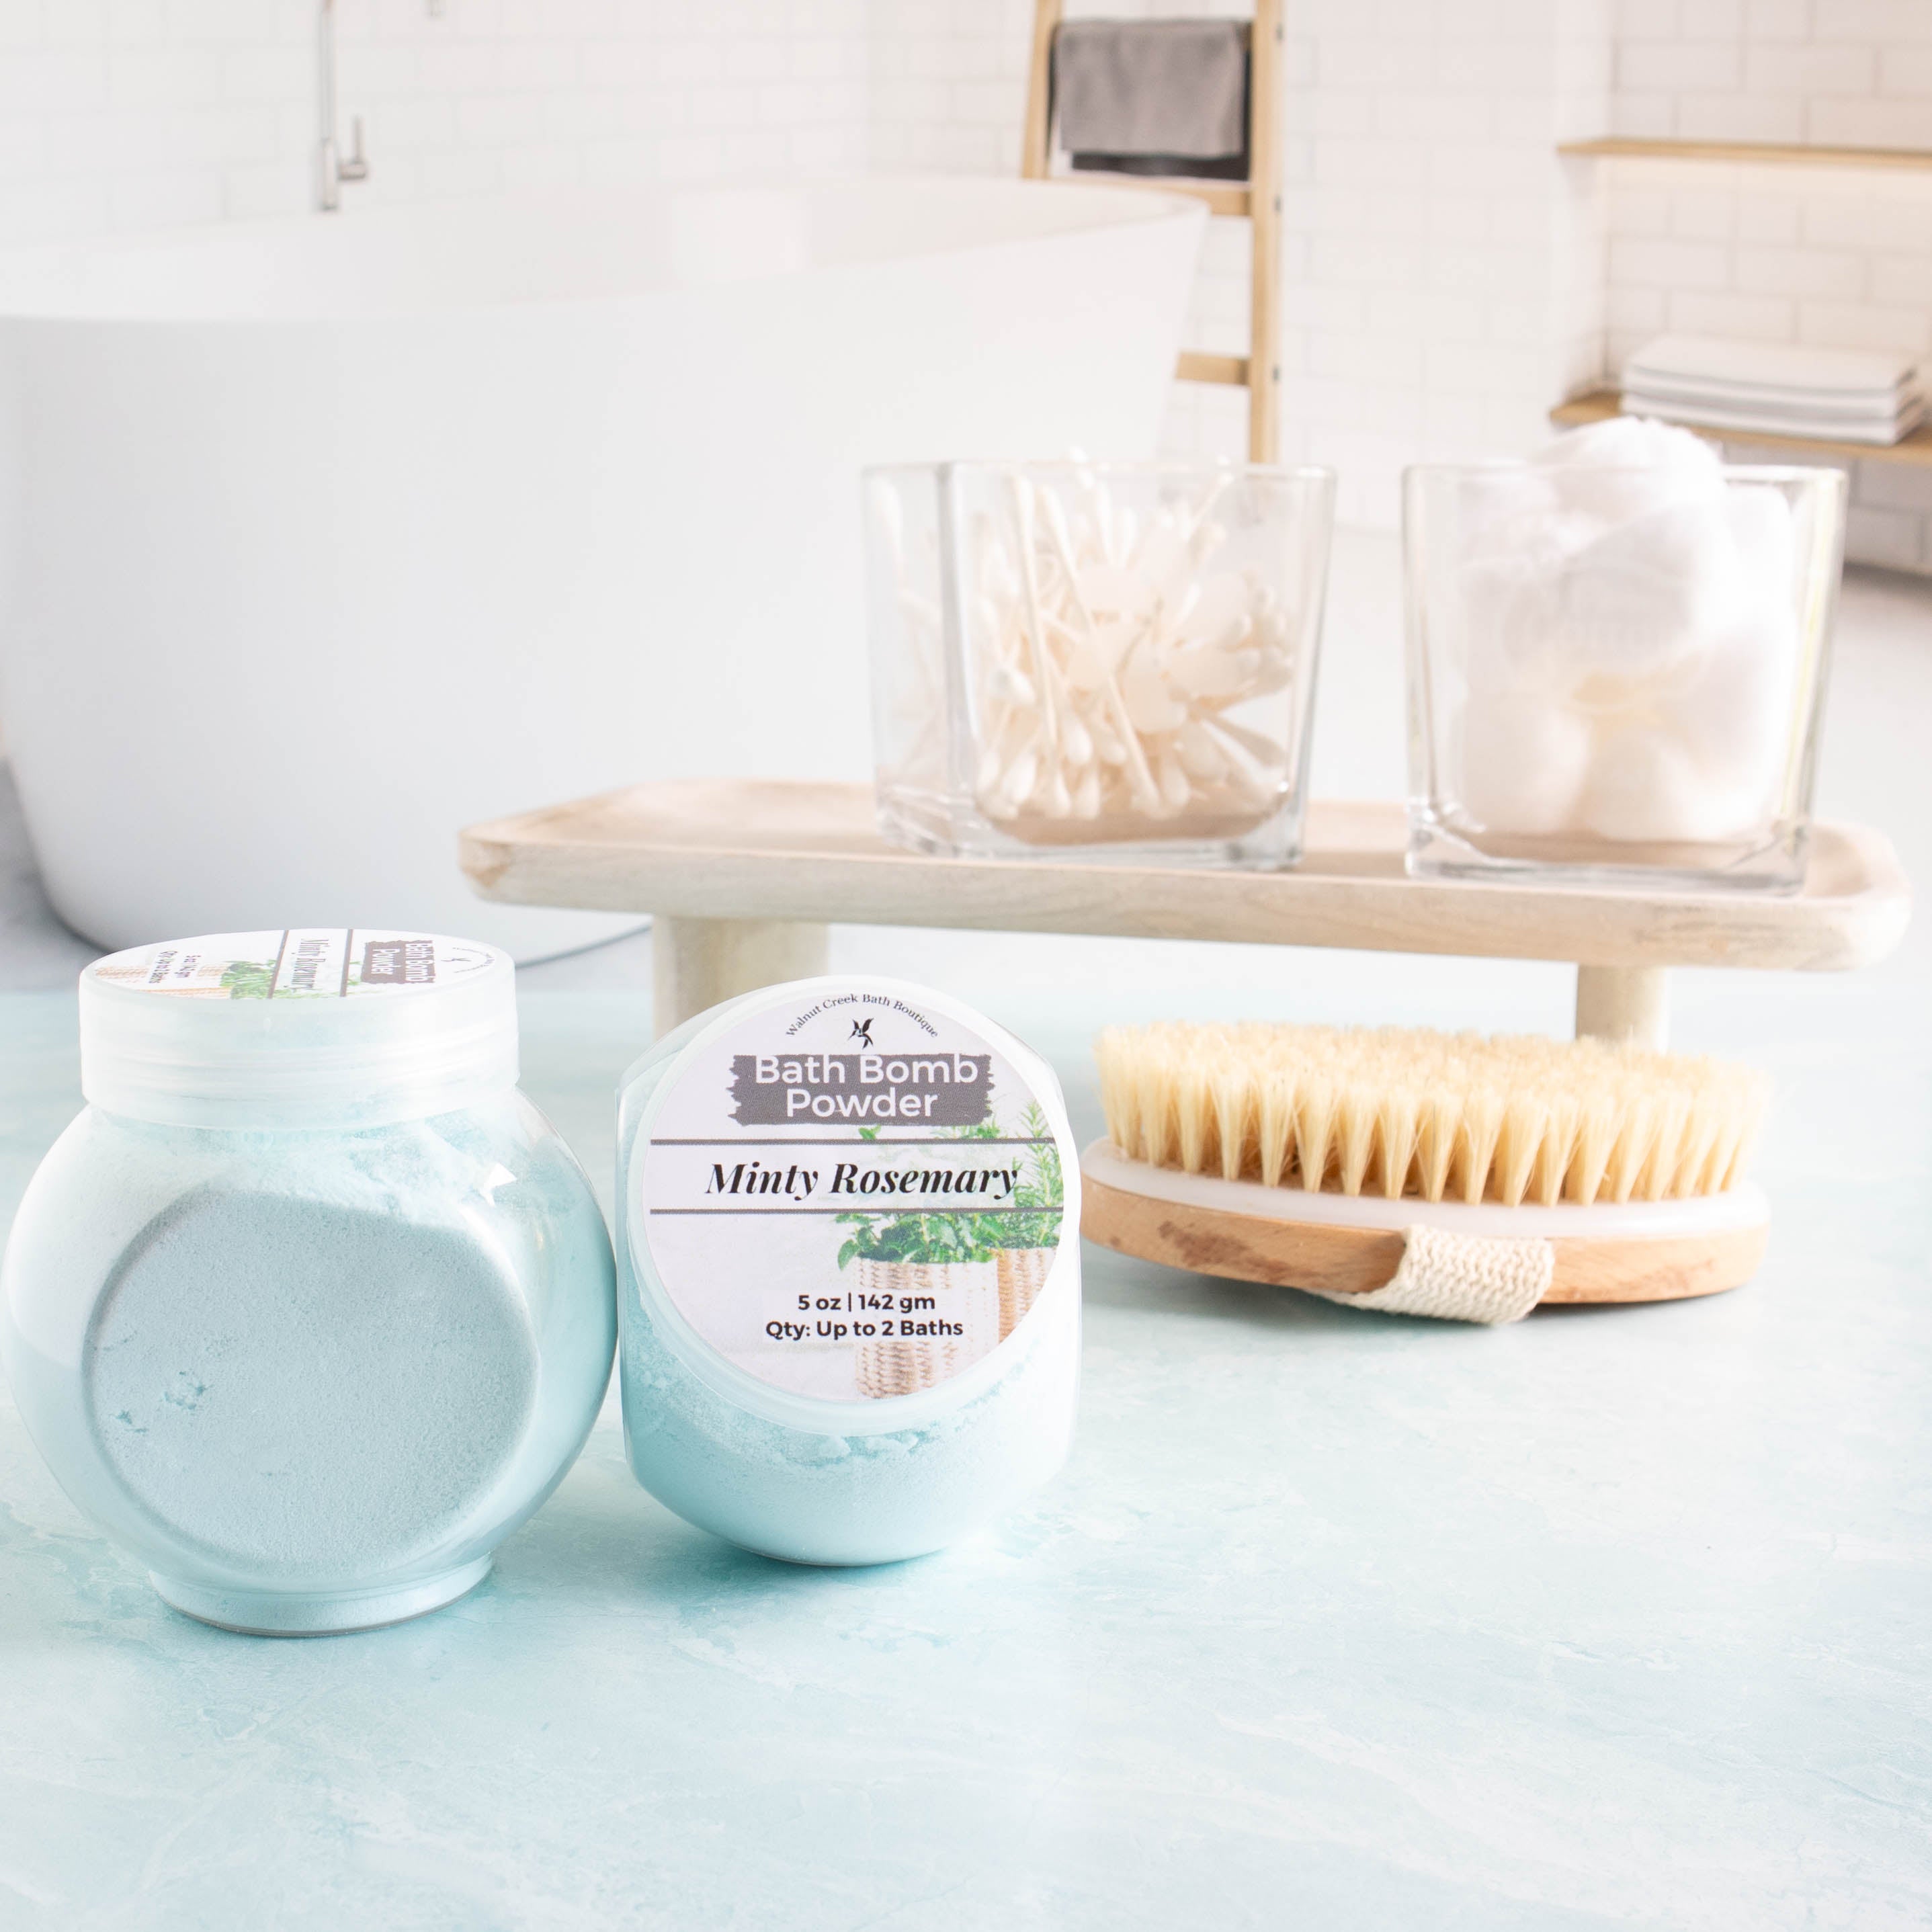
x: 850, y: 1324
x: 310, y: 1308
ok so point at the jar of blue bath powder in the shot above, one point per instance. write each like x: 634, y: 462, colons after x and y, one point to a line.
x: 310, y: 1308
x: 849, y: 1269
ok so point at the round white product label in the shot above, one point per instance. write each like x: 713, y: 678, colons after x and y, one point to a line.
x: 304, y: 962
x: 851, y: 1198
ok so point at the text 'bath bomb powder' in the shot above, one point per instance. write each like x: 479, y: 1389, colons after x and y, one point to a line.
x: 849, y: 1270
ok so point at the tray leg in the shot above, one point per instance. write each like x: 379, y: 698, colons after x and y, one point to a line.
x: 697, y: 962
x: 1624, y: 1002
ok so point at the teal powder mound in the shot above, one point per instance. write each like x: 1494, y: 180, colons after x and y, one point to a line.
x: 304, y: 1387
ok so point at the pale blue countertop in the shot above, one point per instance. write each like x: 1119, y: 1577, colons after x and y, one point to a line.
x: 1617, y: 1618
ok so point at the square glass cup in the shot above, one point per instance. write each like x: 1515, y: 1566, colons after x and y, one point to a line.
x: 1615, y: 677
x: 1113, y: 661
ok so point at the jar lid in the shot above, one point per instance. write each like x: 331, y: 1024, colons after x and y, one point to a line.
x: 312, y: 1027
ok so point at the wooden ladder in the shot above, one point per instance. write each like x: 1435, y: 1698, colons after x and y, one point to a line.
x: 1258, y: 198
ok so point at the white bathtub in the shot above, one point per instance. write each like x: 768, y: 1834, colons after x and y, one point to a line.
x: 323, y: 538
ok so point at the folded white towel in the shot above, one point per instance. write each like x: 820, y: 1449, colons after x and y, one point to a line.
x: 1705, y: 360
x: 1766, y: 396
x: 1843, y: 427
x: 1799, y: 404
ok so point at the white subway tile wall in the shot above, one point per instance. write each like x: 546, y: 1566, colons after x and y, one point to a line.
x: 1826, y: 73
x: 1841, y: 258
x: 126, y: 114
x: 1447, y: 277
x: 1837, y: 257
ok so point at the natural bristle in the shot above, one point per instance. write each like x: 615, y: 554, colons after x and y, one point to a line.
x: 1443, y: 1116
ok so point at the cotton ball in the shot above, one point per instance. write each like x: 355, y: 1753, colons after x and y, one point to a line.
x: 1497, y: 509
x: 1626, y: 465
x: 1735, y: 715
x: 1645, y: 787
x: 1761, y: 525
x: 1508, y: 609
x: 1629, y: 442
x: 1641, y: 597
x: 1524, y: 761
x: 1499, y: 556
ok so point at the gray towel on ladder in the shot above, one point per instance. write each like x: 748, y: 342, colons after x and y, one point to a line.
x: 1153, y: 96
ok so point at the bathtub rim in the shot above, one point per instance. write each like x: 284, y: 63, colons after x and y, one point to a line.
x: 1110, y: 208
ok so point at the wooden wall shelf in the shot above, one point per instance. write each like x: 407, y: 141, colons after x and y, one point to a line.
x: 1778, y: 154
x: 1915, y: 450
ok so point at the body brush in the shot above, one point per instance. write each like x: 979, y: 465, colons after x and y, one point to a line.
x: 1425, y: 1172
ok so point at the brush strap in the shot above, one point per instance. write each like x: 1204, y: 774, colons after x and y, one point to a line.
x: 1462, y: 1278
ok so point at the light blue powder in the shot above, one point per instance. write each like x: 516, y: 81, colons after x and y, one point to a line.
x: 311, y: 1364
x: 812, y: 1498
x: 298, y: 1386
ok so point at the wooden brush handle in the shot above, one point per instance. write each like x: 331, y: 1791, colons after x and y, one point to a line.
x: 1358, y: 1261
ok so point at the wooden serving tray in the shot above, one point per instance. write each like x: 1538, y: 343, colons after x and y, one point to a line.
x: 743, y: 875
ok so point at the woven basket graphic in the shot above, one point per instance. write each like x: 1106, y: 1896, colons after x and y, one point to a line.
x: 1022, y: 1273
x: 967, y: 1294
x: 901, y: 1368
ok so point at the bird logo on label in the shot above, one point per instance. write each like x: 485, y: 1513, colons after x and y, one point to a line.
x: 861, y: 1031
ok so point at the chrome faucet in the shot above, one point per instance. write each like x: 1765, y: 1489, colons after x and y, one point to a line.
x: 333, y: 169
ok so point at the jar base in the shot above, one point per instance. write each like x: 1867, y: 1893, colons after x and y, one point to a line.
x: 1770, y: 861
x: 317, y: 1613
x: 947, y: 828
x: 837, y: 1562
